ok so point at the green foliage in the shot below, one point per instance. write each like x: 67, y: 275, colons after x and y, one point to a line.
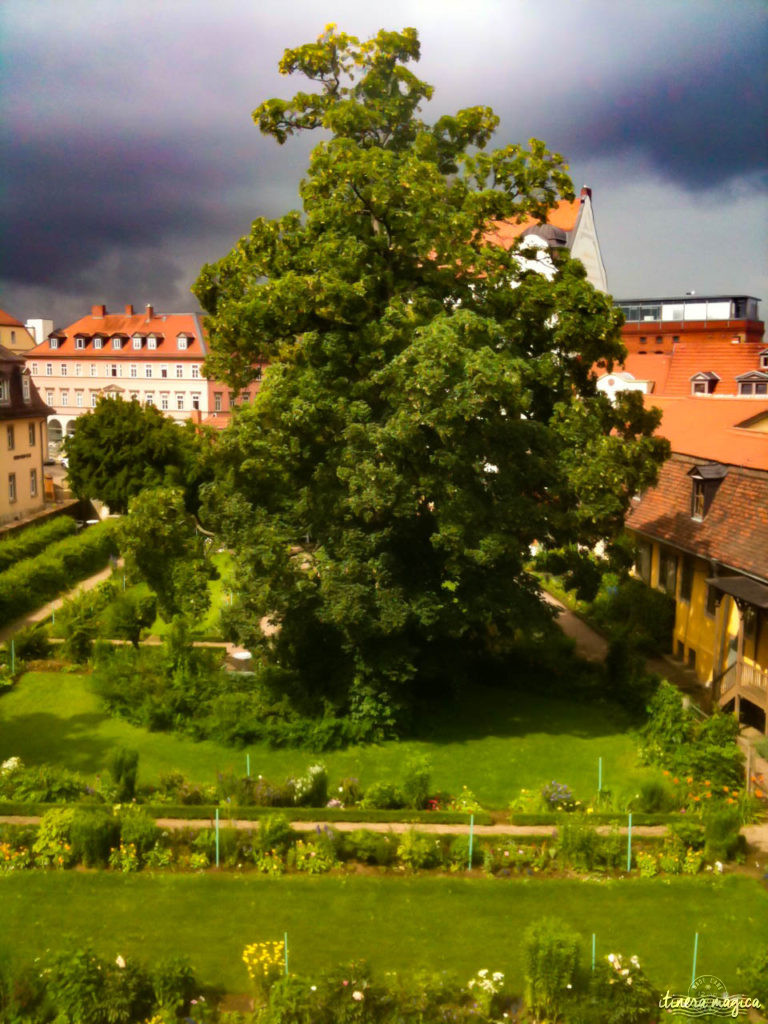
x: 32, y: 642
x: 416, y: 850
x: 722, y: 835
x: 162, y: 546
x: 29, y: 542
x: 670, y: 725
x: 28, y: 584
x: 551, y: 951
x: 428, y: 411
x: 621, y: 993
x: 138, y: 829
x: 369, y: 847
x: 655, y: 795
x: 124, y: 768
x: 275, y: 833
x: 632, y: 610
x: 121, y: 448
x: 753, y: 976
x: 44, y: 784
x: 416, y: 782
x: 93, y: 834
x: 129, y: 614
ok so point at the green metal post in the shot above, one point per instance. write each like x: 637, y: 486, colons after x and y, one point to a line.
x: 629, y: 844
x: 599, y: 776
x: 13, y: 655
x: 248, y: 765
x: 593, y: 952
x: 217, y: 837
x: 471, y: 838
x: 285, y: 947
x: 695, y: 954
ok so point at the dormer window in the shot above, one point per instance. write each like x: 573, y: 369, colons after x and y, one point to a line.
x: 80, y: 342
x: 117, y: 343
x: 181, y: 342
x: 98, y: 342
x: 704, y: 383
x: 54, y: 342
x: 137, y: 341
x: 754, y: 383
x: 5, y: 391
x: 705, y: 481
x: 152, y: 342
x: 764, y: 359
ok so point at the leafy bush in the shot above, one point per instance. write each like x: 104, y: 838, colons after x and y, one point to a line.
x: 551, y: 951
x: 621, y: 992
x: 753, y: 977
x: 690, y: 833
x: 722, y: 834
x: 632, y: 609
x: 369, y: 847
x: 655, y: 794
x: 94, y: 833
x: 28, y: 542
x: 275, y: 833
x: 416, y: 782
x: 578, y: 844
x: 32, y: 643
x: 138, y: 829
x: 382, y: 796
x: 44, y: 784
x: 123, y: 768
x: 558, y: 797
x: 311, y: 790
x: 416, y: 851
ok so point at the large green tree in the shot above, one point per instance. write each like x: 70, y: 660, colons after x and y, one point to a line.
x: 121, y: 448
x: 429, y: 411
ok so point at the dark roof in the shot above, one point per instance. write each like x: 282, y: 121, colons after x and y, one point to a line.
x: 709, y: 471
x: 12, y: 365
x: 742, y: 588
x: 734, y: 532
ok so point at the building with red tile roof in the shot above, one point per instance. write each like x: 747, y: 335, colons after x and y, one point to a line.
x: 150, y: 357
x: 702, y: 535
x: 14, y: 336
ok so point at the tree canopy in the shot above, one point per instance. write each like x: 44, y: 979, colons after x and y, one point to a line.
x: 429, y: 412
x: 121, y: 448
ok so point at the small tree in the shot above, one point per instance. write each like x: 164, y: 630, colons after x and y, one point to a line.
x: 124, y: 768
x: 129, y: 614
x: 551, y: 950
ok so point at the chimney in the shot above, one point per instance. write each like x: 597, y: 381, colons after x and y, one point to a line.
x: 150, y: 311
x: 98, y: 310
x: 129, y: 310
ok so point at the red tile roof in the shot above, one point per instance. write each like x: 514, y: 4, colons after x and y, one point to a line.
x: 688, y: 358
x: 734, y: 532
x: 563, y: 216
x: 709, y: 428
x: 167, y: 326
x: 6, y: 320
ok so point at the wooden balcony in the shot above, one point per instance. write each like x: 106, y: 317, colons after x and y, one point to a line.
x: 744, y: 680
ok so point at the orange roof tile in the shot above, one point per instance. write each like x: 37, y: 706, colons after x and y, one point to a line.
x: 563, y: 216
x: 167, y: 326
x: 707, y: 427
x: 6, y: 320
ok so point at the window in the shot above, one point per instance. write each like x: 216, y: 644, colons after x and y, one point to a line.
x: 54, y: 343
x: 195, y: 372
x: 92, y: 370
x: 34, y: 369
x: 98, y: 342
x: 31, y: 434
x: 711, y: 600
x: 117, y: 343
x: 179, y: 371
x: 196, y: 400
x: 49, y: 369
x: 232, y: 397
x: 149, y: 398
x: 136, y: 341
x: 697, y: 502
x: 79, y: 399
x: 49, y: 396
x: 668, y: 572
x: 13, y: 337
x: 704, y: 383
x: 25, y: 388
x: 11, y: 487
x: 164, y: 372
x: 134, y: 371
x: 179, y: 402
x: 79, y: 342
x: 148, y: 370
x: 94, y: 399
x: 642, y: 340
x: 78, y: 369
x: 164, y: 400
x: 181, y: 342
x: 151, y: 341
x: 5, y: 391
x: 112, y: 370
x: 33, y: 483
x: 763, y: 361
x: 217, y: 396
x: 134, y: 396
x: 753, y: 387
x: 11, y: 438
x: 64, y: 396
x: 686, y: 578
x: 257, y: 373
x: 64, y: 370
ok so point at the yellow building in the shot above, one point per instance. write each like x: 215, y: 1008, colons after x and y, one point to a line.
x: 23, y: 440
x: 702, y: 536
x: 13, y: 334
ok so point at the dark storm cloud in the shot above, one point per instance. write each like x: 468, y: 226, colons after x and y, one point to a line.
x: 132, y: 159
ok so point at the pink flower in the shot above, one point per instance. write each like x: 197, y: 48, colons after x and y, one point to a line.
x: 345, y: 982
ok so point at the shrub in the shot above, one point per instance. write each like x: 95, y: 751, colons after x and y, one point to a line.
x: 690, y: 833
x: 621, y: 991
x: 30, y: 541
x: 458, y: 853
x: 636, y: 610
x: 722, y: 835
x: 369, y: 847
x: 44, y: 784
x: 32, y: 643
x: 94, y: 833
x: 670, y: 725
x: 416, y: 781
x: 275, y: 833
x: 416, y: 851
x: 123, y: 768
x: 138, y: 829
x: 753, y: 977
x: 577, y: 844
x: 551, y: 952
x: 655, y: 795
x: 382, y: 796
x: 311, y: 790
x: 173, y: 981
x: 558, y: 797
x: 53, y: 843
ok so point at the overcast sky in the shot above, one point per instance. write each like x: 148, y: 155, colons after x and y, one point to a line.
x: 131, y: 157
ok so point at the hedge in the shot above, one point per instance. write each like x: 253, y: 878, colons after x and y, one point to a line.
x: 33, y: 581
x: 598, y: 818
x: 29, y: 542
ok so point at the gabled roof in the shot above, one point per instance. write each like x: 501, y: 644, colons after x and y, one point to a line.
x: 564, y: 216
x: 12, y: 366
x: 725, y: 430
x: 734, y: 531
x: 165, y: 326
x: 6, y: 320
x: 672, y: 372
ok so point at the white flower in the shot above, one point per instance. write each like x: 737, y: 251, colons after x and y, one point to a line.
x: 718, y: 867
x: 120, y: 962
x: 611, y: 957
x: 498, y: 976
x: 313, y: 988
x: 569, y: 985
x: 358, y: 996
x: 634, y: 961
x: 483, y: 972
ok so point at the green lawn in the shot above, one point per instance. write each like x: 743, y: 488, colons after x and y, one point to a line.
x: 496, y: 743
x: 399, y: 924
